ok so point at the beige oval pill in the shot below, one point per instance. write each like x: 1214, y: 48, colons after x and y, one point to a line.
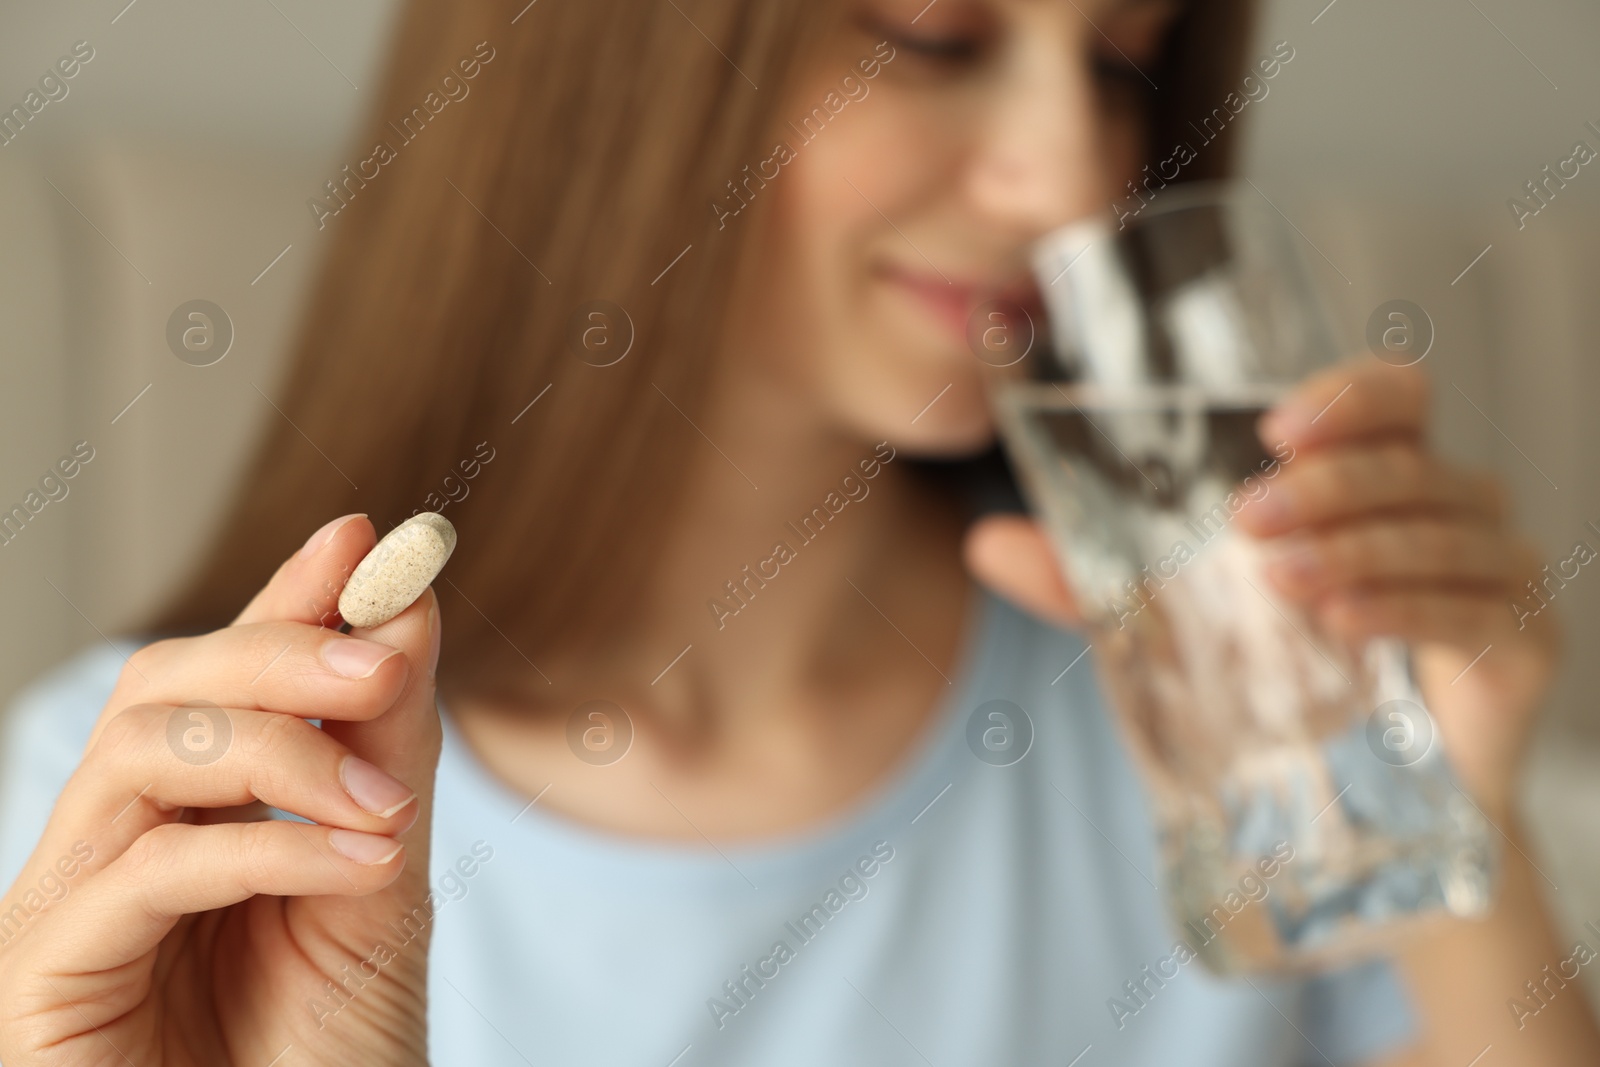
x: 399, y: 567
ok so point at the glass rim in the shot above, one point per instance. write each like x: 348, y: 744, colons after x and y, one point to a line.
x: 1147, y: 395
x: 1183, y: 196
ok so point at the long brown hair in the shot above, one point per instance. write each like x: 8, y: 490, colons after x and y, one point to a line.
x: 581, y: 167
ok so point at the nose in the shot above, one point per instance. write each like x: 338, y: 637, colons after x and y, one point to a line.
x: 1041, y: 157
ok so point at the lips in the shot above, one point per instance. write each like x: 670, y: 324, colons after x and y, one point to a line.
x: 951, y: 303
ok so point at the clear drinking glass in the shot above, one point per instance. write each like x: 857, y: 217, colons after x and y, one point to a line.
x: 1303, y: 808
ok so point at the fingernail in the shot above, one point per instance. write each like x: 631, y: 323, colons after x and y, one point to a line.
x: 369, y: 849
x: 1297, y: 561
x: 1287, y: 420
x: 435, y: 632
x: 1274, y: 509
x: 374, y: 789
x: 354, y: 658
x: 1270, y: 426
x: 325, y: 534
x: 1346, y: 613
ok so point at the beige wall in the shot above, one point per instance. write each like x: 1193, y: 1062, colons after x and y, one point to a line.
x: 177, y: 167
x: 192, y: 140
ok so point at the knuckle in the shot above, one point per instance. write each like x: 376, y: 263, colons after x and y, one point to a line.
x: 275, y: 737
x: 1341, y: 554
x: 141, y: 665
x: 1318, y: 481
x: 1377, y: 476
x: 293, y: 757
x: 262, y: 643
x: 1386, y: 548
x: 151, y: 853
x: 253, y: 854
x: 1347, y: 477
x: 128, y: 729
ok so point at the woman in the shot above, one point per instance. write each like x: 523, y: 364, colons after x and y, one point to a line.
x: 689, y: 809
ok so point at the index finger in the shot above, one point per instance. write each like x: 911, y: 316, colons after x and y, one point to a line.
x: 1359, y: 398
x: 306, y: 586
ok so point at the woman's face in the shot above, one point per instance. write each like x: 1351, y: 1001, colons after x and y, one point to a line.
x: 916, y: 174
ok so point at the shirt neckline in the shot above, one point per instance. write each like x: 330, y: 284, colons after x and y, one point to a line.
x: 597, y: 857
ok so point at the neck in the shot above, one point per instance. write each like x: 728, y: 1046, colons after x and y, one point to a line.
x: 802, y: 560
x: 790, y: 701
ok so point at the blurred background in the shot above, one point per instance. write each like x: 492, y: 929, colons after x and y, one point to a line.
x: 179, y: 164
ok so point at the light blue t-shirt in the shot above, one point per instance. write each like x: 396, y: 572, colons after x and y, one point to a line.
x: 965, y: 914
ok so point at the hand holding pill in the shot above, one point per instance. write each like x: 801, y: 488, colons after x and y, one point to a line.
x: 178, y: 842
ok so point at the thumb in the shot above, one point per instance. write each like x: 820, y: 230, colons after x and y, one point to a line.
x: 1012, y: 556
x: 404, y: 741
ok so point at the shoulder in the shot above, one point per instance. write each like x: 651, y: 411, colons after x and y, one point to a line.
x: 42, y: 736
x: 1049, y: 676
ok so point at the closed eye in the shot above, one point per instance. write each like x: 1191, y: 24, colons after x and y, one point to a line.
x: 939, y: 49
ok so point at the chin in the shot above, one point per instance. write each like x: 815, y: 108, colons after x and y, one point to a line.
x: 945, y: 443
x: 958, y: 426
x: 924, y: 396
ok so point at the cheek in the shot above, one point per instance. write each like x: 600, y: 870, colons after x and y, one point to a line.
x: 821, y: 220
x: 838, y: 332
x: 824, y: 223
x: 809, y: 269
